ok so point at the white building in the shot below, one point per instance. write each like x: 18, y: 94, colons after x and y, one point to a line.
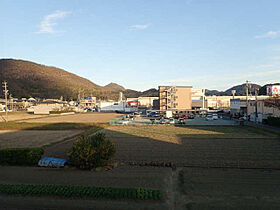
x: 144, y: 101
x: 111, y: 106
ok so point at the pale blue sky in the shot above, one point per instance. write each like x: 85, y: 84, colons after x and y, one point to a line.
x: 141, y: 44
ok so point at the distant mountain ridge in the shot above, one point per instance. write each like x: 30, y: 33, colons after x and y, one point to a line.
x: 29, y: 79
x: 114, y: 87
x: 240, y: 90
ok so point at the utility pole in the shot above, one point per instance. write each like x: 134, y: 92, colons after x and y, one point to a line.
x: 247, y: 87
x: 6, y: 98
x: 256, y: 104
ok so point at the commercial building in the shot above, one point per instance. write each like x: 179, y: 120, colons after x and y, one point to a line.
x: 112, y: 106
x: 258, y: 111
x: 176, y: 98
x: 238, y: 105
x: 88, y: 102
x: 142, y: 101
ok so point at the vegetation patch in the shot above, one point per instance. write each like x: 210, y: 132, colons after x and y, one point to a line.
x: 91, y: 151
x: 80, y: 191
x: 20, y: 156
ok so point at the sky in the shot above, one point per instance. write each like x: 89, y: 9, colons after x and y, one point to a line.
x: 141, y: 44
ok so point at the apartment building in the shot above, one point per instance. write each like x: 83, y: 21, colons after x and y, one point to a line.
x: 177, y: 98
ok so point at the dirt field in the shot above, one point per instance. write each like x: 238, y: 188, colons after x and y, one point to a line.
x: 24, y: 138
x: 18, y: 116
x: 166, y: 143
x: 76, y: 118
x: 55, y: 118
x: 230, y: 189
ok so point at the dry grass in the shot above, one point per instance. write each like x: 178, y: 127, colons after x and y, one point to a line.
x: 28, y: 138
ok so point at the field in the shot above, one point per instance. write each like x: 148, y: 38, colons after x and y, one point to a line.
x: 28, y: 138
x: 218, y: 167
x: 76, y: 118
x: 230, y: 189
x: 197, y: 146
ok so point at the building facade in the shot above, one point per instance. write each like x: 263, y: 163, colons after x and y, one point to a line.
x: 177, y: 98
x: 142, y: 101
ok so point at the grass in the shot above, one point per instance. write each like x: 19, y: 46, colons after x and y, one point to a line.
x: 182, y: 132
x: 80, y: 191
x: 48, y: 126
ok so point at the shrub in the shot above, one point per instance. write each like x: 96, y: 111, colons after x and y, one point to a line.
x: 91, y: 151
x: 20, y: 156
x: 273, y: 121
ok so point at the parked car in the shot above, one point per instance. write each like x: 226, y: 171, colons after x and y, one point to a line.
x: 181, y: 121
x: 191, y: 116
x: 184, y: 117
x: 176, y: 116
x: 171, y: 121
x: 209, y: 117
x: 125, y: 122
x: 215, y: 117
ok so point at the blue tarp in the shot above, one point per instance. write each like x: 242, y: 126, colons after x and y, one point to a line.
x: 52, y: 162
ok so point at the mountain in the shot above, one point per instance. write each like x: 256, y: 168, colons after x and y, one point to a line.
x: 134, y: 94
x: 26, y: 79
x: 114, y: 87
x: 213, y: 92
x: 29, y: 79
x: 240, y: 90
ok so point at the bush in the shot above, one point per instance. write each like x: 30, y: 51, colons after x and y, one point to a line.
x: 80, y: 191
x: 273, y: 121
x: 20, y: 156
x: 91, y: 151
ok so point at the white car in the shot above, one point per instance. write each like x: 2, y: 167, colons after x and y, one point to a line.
x: 171, y: 121
x: 209, y: 117
x: 215, y: 117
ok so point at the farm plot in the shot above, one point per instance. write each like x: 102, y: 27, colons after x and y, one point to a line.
x: 243, y: 147
x: 33, y: 138
x: 76, y: 118
x: 123, y: 177
x: 230, y: 189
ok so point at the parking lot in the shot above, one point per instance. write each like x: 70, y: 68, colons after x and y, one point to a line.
x: 145, y: 120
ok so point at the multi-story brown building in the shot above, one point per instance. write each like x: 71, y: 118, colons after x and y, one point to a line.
x: 177, y: 98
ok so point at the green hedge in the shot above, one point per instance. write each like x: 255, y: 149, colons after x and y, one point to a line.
x: 273, y: 121
x: 20, y: 156
x: 80, y: 191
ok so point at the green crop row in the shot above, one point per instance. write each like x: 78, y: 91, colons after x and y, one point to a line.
x: 20, y: 156
x: 80, y: 191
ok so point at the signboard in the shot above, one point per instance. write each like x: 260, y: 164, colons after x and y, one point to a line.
x: 273, y: 90
x: 197, y: 92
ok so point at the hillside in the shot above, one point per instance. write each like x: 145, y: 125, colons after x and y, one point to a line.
x: 114, y: 87
x: 240, y: 90
x: 26, y: 79
x: 134, y: 94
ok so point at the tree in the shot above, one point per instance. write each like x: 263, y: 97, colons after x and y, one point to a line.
x: 273, y: 102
